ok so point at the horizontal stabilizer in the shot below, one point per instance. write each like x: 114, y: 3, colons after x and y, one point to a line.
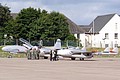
x: 115, y: 50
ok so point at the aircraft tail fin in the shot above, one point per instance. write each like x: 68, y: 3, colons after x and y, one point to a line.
x: 57, y: 44
x: 115, y: 50
x: 107, y: 50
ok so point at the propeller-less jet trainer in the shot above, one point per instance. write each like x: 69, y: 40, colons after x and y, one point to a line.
x: 44, y: 52
x: 74, y: 53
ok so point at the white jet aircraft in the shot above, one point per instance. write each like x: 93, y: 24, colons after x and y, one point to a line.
x: 44, y: 51
x: 108, y: 51
x: 17, y: 48
x: 75, y: 53
x: 14, y: 49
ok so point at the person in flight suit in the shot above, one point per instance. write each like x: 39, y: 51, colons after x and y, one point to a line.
x: 29, y: 54
x: 37, y: 54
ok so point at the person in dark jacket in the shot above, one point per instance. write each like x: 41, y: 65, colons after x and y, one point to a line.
x: 51, y: 55
x: 55, y: 55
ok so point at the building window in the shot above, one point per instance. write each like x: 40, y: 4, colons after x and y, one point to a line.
x: 106, y: 45
x: 116, y: 45
x: 116, y: 35
x: 106, y: 36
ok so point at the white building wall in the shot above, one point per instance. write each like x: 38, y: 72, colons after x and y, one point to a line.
x: 96, y: 41
x: 82, y: 38
x: 112, y: 27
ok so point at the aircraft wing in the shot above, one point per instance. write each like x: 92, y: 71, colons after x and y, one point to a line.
x: 14, y: 49
x: 47, y: 55
x: 80, y: 51
x: 73, y: 53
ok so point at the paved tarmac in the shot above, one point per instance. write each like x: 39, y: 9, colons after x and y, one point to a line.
x: 93, y: 69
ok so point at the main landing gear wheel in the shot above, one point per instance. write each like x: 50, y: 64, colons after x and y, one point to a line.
x: 81, y: 59
x: 45, y: 57
x: 72, y: 58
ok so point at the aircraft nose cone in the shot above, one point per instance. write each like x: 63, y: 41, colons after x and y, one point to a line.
x: 4, y: 48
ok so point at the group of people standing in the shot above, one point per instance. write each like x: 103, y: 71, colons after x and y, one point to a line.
x: 33, y: 53
x: 53, y: 55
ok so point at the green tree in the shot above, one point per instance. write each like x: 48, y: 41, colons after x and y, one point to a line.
x: 38, y: 26
x: 50, y: 26
x: 58, y: 27
x: 13, y: 30
x: 4, y: 15
x: 23, y: 22
x: 70, y: 37
x: 35, y: 24
x: 53, y: 26
x: 4, y: 18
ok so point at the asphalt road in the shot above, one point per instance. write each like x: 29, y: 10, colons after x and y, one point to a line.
x: 93, y: 69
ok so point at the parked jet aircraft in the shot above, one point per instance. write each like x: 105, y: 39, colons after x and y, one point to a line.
x: 44, y: 52
x: 14, y: 49
x: 108, y: 51
x: 74, y: 53
x: 17, y: 48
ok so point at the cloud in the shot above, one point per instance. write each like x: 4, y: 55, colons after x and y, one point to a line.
x: 17, y: 5
x: 79, y: 11
x: 59, y: 2
x: 83, y: 12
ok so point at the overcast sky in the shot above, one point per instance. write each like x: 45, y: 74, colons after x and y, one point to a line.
x: 82, y: 12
